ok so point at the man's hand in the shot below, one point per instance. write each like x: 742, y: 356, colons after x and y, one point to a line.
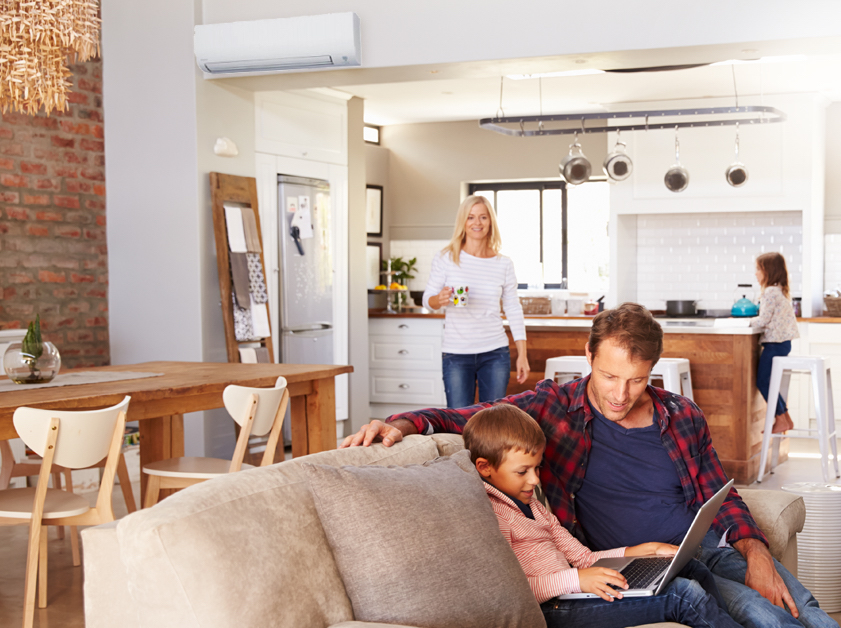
x: 388, y: 433
x: 762, y: 576
x: 598, y: 580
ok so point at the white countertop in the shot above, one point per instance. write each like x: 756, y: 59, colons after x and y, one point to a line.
x: 718, y: 326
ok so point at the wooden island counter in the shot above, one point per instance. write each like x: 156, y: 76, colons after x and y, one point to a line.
x: 723, y: 364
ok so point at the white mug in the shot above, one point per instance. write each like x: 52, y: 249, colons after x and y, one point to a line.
x: 459, y: 298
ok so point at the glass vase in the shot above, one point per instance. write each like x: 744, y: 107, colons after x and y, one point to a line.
x: 23, y: 368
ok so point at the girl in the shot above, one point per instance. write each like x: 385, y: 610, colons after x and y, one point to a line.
x: 475, y: 345
x: 778, y: 324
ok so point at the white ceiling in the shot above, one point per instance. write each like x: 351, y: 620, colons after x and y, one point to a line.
x: 474, y: 98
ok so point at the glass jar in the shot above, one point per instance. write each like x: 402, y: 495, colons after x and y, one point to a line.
x: 23, y: 368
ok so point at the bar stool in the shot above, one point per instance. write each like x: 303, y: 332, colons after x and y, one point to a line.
x: 675, y: 375
x: 566, y: 365
x: 781, y: 370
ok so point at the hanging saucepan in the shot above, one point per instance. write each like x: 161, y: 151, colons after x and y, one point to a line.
x: 677, y: 177
x: 736, y: 174
x: 575, y: 167
x: 617, y: 165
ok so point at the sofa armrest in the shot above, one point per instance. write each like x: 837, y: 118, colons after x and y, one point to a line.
x: 108, y: 602
x: 778, y: 514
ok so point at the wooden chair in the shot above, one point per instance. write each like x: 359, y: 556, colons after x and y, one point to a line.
x: 258, y: 411
x: 73, y: 440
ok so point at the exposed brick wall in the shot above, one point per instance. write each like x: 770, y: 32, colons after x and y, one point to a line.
x: 53, y: 254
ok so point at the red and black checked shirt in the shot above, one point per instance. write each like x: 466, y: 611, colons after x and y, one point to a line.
x: 565, y: 417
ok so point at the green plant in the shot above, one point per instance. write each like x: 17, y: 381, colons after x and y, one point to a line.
x: 402, y: 269
x: 32, y: 346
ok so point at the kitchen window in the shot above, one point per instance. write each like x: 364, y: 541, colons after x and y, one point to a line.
x: 554, y: 233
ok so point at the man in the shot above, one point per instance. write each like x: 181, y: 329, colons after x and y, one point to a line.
x: 649, y: 465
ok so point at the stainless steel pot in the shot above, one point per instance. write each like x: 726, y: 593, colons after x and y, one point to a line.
x: 681, y: 308
x: 677, y: 177
x: 736, y: 174
x: 575, y: 168
x: 617, y: 165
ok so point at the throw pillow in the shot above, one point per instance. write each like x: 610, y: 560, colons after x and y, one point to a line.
x: 420, y: 546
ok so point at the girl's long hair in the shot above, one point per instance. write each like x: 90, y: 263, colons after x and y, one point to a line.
x: 460, y: 231
x: 773, y: 265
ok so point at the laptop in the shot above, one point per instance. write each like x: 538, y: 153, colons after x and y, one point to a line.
x: 649, y: 575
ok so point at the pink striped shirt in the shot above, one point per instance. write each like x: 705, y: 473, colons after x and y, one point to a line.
x: 549, y: 555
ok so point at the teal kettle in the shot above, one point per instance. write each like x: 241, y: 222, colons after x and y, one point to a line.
x: 744, y: 306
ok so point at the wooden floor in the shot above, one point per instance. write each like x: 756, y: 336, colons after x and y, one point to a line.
x: 65, y: 604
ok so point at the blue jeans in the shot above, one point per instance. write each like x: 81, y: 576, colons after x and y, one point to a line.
x: 770, y: 350
x: 745, y: 605
x: 463, y: 370
x: 683, y: 601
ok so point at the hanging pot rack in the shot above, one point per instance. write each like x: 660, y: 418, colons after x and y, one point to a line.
x: 652, y: 119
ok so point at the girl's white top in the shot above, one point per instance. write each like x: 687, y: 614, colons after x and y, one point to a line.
x: 477, y: 328
x: 776, y: 317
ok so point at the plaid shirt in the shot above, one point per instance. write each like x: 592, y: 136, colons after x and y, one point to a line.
x: 565, y: 417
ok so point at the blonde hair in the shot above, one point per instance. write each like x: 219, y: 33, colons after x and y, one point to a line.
x: 460, y: 230
x: 493, y: 432
x: 773, y: 266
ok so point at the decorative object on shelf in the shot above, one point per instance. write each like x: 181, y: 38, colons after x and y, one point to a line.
x: 736, y: 174
x: 617, y: 165
x: 677, y: 177
x: 33, y: 361
x: 37, y: 39
x: 374, y: 210
x: 397, y: 272
x: 575, y: 167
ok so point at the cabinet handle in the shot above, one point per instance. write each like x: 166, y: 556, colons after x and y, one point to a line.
x: 403, y: 352
x: 403, y: 327
x: 403, y: 386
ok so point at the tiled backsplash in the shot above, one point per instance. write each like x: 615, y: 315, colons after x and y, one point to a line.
x: 424, y: 250
x: 832, y: 263
x: 705, y: 256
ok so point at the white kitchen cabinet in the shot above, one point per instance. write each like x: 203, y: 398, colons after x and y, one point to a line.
x: 405, y: 365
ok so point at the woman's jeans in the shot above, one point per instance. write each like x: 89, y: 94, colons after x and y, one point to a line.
x: 683, y: 601
x: 463, y: 370
x: 770, y: 350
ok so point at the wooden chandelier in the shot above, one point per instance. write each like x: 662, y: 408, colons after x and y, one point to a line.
x: 38, y: 38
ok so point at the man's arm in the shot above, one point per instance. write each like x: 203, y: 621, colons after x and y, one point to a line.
x: 762, y: 576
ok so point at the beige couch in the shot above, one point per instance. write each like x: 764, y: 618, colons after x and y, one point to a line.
x: 248, y: 549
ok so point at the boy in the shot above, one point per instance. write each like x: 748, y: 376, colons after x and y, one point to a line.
x: 506, y: 445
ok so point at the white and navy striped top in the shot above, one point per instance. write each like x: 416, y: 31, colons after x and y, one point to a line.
x: 477, y: 328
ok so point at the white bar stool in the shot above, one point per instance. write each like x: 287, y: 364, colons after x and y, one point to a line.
x: 575, y: 365
x: 675, y: 373
x: 781, y: 370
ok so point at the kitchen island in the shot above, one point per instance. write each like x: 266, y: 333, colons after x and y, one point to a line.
x: 723, y: 362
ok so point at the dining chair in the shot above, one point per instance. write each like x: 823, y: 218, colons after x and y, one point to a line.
x: 73, y: 440
x: 258, y: 411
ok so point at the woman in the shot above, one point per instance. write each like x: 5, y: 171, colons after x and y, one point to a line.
x: 475, y: 345
x: 779, y: 327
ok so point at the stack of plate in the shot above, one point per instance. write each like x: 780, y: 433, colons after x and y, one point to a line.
x: 819, y: 544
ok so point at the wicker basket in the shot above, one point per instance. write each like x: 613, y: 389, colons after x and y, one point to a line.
x: 833, y: 305
x: 537, y: 305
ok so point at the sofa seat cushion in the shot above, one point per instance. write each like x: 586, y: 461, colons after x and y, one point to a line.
x: 420, y: 545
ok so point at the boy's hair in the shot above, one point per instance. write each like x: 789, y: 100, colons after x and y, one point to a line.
x: 494, y: 431
x: 776, y: 274
x: 633, y: 328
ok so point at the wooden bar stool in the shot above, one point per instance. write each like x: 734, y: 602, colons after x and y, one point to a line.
x: 675, y: 375
x: 567, y: 365
x: 781, y: 370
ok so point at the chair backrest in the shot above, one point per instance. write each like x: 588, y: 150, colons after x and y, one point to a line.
x: 237, y: 401
x: 84, y: 437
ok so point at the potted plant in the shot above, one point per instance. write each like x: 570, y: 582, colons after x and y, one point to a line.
x: 33, y: 361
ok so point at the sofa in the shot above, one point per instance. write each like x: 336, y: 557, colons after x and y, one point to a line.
x: 248, y: 549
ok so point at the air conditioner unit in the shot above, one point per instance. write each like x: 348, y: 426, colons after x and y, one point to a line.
x: 280, y: 45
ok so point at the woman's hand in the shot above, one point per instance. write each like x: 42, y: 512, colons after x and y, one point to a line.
x: 652, y: 549
x: 598, y: 580
x: 523, y: 368
x: 444, y: 298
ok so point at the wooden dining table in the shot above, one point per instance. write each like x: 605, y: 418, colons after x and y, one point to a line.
x: 159, y: 403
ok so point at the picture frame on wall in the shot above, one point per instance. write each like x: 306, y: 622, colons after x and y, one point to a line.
x: 374, y: 211
x: 373, y: 263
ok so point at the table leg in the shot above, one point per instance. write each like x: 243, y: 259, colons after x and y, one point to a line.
x: 314, y: 419
x: 299, y: 426
x: 160, y: 439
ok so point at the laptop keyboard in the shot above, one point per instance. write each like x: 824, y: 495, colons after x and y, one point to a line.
x: 643, y: 571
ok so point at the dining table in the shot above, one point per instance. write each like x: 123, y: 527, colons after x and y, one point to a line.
x: 159, y: 403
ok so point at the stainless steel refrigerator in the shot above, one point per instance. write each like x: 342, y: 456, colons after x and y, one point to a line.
x: 306, y: 272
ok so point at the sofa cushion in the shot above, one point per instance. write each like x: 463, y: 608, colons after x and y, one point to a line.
x: 420, y: 546
x: 245, y: 549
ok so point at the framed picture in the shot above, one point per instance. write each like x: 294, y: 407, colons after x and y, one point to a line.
x: 374, y: 261
x: 374, y: 211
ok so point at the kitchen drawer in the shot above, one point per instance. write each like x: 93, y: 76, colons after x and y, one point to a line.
x: 406, y: 327
x: 394, y: 352
x: 426, y: 390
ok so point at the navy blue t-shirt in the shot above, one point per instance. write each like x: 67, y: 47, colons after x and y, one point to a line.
x: 631, y: 492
